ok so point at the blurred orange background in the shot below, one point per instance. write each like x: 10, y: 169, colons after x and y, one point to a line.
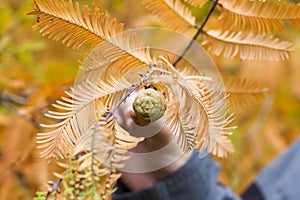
x: 34, y: 72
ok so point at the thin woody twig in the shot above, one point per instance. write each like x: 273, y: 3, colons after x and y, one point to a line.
x: 9, y: 100
x: 5, y: 96
x: 110, y: 113
x: 200, y: 30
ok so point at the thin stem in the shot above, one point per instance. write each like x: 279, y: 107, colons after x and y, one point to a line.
x: 10, y: 106
x: 134, y: 88
x: 200, y: 30
x: 113, y: 110
x: 5, y: 96
x: 54, y: 187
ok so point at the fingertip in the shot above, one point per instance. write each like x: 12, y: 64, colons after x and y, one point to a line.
x: 132, y: 114
x: 139, y: 121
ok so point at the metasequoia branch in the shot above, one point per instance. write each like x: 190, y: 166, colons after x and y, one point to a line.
x: 200, y: 30
x: 110, y: 113
x: 113, y: 110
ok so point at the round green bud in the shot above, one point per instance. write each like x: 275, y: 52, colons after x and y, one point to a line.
x: 149, y: 105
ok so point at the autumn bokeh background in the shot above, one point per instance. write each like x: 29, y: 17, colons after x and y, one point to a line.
x: 34, y: 72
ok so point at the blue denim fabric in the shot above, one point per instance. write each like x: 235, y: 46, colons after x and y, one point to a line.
x: 280, y: 180
x: 252, y: 193
x: 197, y: 180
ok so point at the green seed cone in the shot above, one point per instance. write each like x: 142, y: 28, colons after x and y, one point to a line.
x: 149, y: 105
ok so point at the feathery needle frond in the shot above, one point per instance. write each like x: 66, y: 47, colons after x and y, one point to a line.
x: 173, y: 13
x: 225, y: 42
x: 242, y: 92
x: 198, y: 3
x: 77, y: 115
x: 64, y: 22
x: 202, y: 105
x: 259, y: 17
x: 246, y: 46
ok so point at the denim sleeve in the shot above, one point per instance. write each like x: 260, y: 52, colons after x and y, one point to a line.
x: 281, y: 178
x: 197, y: 179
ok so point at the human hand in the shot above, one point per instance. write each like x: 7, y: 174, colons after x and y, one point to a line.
x: 153, y: 159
